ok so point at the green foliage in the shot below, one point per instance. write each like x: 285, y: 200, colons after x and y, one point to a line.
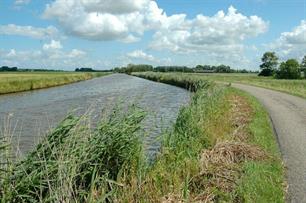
x: 198, y: 69
x: 266, y: 72
x: 215, y: 69
x: 289, y: 70
x: 75, y: 163
x: 303, y: 66
x: 6, y: 68
x: 173, y: 69
x: 134, y: 68
x: 269, y: 64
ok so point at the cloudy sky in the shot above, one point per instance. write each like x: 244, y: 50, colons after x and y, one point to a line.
x: 65, y: 34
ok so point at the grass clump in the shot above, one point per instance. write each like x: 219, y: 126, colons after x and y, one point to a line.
x: 76, y: 163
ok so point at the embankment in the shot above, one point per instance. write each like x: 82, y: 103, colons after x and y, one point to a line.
x: 19, y: 82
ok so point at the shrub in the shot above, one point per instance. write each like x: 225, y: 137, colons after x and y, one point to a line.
x: 289, y: 70
x: 266, y: 72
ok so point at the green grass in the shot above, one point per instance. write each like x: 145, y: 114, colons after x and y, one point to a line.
x: 262, y: 181
x: 294, y: 87
x: 18, y: 82
x: 200, y: 126
x: 77, y: 163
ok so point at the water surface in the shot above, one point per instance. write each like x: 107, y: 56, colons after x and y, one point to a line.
x: 34, y: 113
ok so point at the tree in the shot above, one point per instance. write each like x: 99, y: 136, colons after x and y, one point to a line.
x: 303, y: 66
x: 269, y: 64
x: 289, y: 70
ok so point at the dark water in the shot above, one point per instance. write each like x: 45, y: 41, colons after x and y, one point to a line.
x: 32, y: 114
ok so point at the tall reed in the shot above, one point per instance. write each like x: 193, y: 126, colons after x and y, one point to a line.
x: 75, y: 163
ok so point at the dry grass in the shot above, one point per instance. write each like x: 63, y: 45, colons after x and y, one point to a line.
x: 220, y: 167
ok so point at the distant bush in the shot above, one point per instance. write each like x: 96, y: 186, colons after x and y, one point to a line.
x: 133, y: 68
x: 214, y: 69
x: 6, y: 68
x: 289, y: 70
x: 269, y: 64
x: 266, y: 72
x: 303, y: 67
x: 173, y: 69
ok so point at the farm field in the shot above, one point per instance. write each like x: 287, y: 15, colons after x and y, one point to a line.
x: 18, y: 82
x: 294, y: 87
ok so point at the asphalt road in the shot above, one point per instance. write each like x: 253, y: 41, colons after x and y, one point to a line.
x: 288, y: 115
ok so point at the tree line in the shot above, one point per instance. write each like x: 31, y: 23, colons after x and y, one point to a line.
x: 89, y: 70
x: 198, y: 69
x: 6, y: 68
x: 290, y: 69
x: 16, y: 69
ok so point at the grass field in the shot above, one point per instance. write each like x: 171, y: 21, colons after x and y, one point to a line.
x: 294, y: 87
x: 18, y: 82
x: 221, y: 149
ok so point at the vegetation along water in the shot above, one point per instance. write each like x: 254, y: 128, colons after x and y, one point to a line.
x: 11, y: 82
x: 221, y: 148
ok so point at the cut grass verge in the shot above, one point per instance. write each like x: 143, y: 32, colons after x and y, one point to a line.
x: 222, y: 149
x: 19, y: 82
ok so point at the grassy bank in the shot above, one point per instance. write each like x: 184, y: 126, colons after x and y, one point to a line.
x: 221, y: 149
x: 294, y: 87
x: 18, y: 82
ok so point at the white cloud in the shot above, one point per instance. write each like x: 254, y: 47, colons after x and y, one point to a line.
x: 21, y: 2
x: 75, y: 53
x: 124, y: 20
x: 108, y: 6
x: 217, y: 37
x: 29, y: 31
x: 220, y: 33
x: 11, y: 54
x: 291, y: 44
x: 139, y: 54
x: 52, y: 45
x: 127, y: 20
x: 45, y: 58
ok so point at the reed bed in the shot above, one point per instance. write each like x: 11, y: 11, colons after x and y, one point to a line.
x: 75, y: 163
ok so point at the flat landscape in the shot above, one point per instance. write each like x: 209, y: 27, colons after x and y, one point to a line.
x: 153, y: 101
x: 294, y: 87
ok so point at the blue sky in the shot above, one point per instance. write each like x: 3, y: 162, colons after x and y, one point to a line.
x: 65, y: 34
